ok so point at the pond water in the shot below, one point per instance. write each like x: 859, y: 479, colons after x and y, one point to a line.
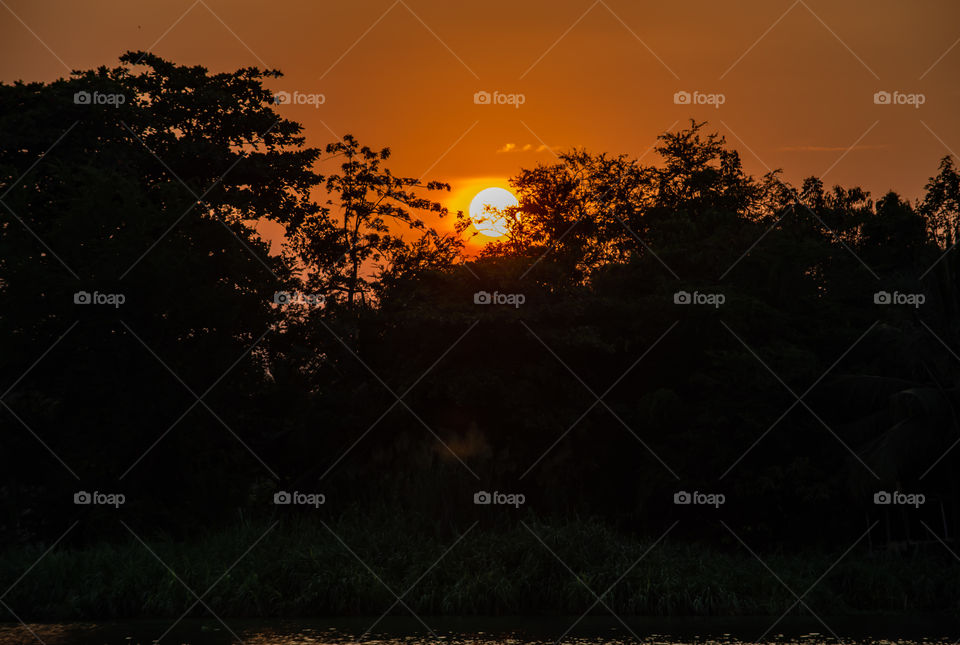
x: 913, y: 630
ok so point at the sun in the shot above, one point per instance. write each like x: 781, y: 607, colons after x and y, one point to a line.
x: 491, y: 224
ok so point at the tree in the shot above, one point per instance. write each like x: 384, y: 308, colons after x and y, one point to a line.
x: 347, y: 253
x: 941, y: 204
x: 144, y: 180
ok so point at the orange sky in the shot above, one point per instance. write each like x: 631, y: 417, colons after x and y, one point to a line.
x: 798, y: 77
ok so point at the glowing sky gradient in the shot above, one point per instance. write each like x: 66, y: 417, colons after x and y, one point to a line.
x: 798, y: 77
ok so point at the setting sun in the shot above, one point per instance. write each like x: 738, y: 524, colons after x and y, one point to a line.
x: 409, y: 249
x: 492, y: 224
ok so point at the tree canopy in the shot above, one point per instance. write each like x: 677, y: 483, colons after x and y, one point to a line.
x: 799, y: 373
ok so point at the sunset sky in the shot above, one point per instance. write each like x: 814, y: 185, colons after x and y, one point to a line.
x: 797, y: 77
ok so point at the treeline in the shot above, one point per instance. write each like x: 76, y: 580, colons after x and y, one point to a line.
x: 642, y: 330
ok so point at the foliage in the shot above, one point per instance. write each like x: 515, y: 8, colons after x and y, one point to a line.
x: 301, y: 568
x: 599, y: 395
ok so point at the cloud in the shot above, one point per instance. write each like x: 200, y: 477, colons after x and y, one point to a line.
x: 831, y: 148
x: 527, y: 147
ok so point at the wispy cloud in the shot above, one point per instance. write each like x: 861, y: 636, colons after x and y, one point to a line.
x: 527, y: 147
x: 832, y: 148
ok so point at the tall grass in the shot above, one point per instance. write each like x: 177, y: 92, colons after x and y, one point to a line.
x: 299, y: 568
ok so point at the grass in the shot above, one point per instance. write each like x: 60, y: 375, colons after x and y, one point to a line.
x: 299, y: 568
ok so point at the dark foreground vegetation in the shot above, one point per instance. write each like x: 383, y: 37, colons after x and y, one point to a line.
x: 825, y: 375
x: 302, y: 570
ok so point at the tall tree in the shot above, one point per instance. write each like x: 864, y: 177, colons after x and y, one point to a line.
x: 373, y: 214
x: 145, y: 181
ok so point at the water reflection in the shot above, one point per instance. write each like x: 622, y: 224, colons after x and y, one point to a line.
x: 501, y: 631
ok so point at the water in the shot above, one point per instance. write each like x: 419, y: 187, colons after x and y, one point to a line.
x: 914, y: 630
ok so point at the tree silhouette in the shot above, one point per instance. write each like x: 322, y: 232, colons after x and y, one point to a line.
x: 941, y: 204
x: 371, y: 210
x: 157, y: 197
